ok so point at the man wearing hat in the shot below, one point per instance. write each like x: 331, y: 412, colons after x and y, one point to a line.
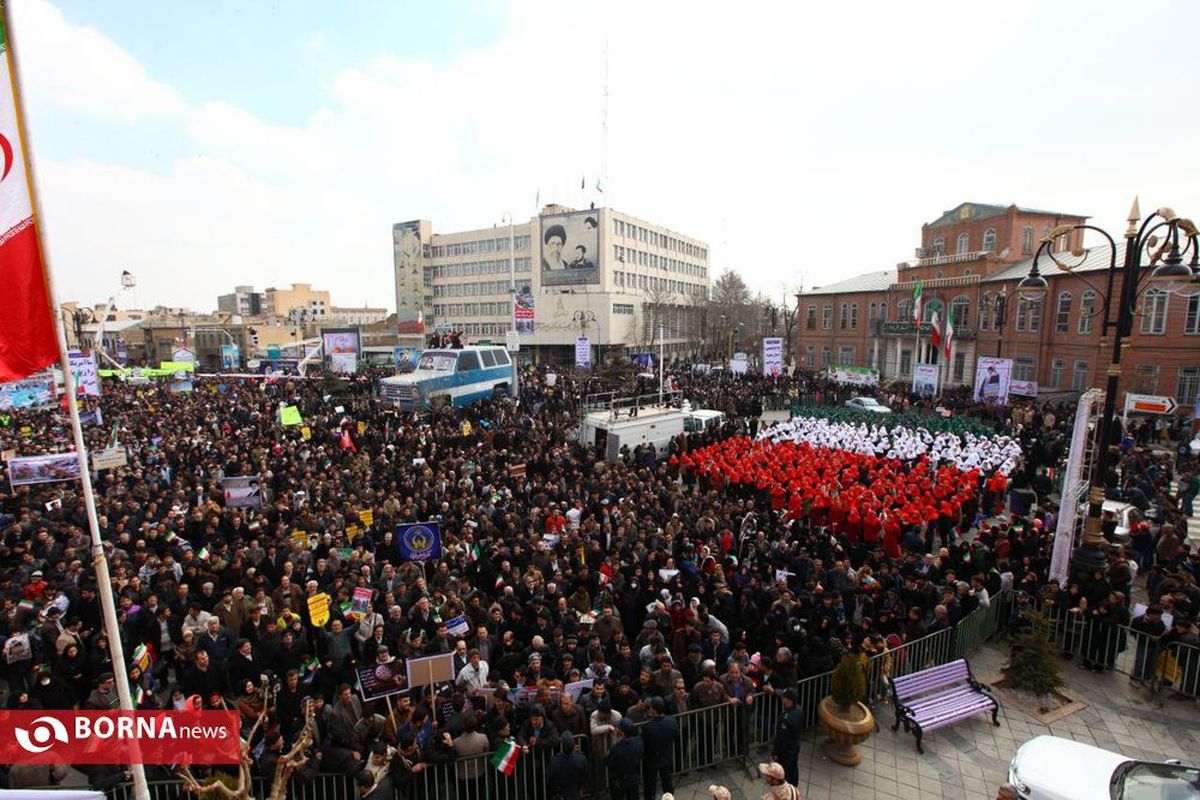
x: 625, y: 762
x: 777, y: 786
x: 786, y: 747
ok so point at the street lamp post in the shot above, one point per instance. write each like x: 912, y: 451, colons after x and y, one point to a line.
x: 998, y: 309
x: 1118, y: 315
x: 512, y: 296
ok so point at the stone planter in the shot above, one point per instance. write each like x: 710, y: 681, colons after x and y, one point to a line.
x: 846, y: 729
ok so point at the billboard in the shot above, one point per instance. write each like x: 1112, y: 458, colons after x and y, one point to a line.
x: 83, y: 369
x: 34, y: 391
x: 992, y: 380
x: 343, y: 363
x: 772, y: 358
x: 408, y: 258
x: 24, y: 470
x: 523, y: 310
x: 570, y: 248
x: 340, y: 340
x: 925, y: 380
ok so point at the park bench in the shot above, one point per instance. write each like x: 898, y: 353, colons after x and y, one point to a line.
x: 939, y: 696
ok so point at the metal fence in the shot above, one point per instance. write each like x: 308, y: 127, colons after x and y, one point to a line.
x: 707, y: 736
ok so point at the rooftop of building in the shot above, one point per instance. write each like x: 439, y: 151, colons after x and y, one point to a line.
x: 867, y: 282
x: 1094, y: 259
x: 975, y: 211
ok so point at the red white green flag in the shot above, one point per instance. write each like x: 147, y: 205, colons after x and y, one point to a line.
x: 935, y: 335
x: 505, y: 757
x: 28, y: 341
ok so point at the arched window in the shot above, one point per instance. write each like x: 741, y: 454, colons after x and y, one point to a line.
x: 989, y: 239
x: 960, y: 311
x: 1087, y: 309
x: 1027, y: 242
x: 883, y: 312
x: 1062, y: 314
x: 964, y: 243
x: 939, y: 246
x: 1154, y: 311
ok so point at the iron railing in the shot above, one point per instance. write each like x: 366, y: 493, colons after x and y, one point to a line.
x: 708, y: 737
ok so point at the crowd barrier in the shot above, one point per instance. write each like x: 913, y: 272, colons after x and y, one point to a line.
x: 730, y: 732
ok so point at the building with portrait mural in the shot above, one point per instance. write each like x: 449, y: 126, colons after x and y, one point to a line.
x: 597, y: 273
x: 969, y: 263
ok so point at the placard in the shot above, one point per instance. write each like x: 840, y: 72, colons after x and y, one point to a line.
x: 318, y: 609
x: 772, y: 355
x: 376, y: 681
x: 83, y: 370
x: 925, y: 380
x: 109, y: 458
x: 430, y: 670
x: 243, y: 492
x: 583, y: 352
x: 992, y: 376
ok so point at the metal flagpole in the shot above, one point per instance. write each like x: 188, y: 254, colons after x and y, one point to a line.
x: 108, y: 606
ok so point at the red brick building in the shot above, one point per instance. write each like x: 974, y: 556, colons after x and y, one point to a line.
x: 969, y: 264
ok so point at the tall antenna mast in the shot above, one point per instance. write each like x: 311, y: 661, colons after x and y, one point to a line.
x: 602, y: 181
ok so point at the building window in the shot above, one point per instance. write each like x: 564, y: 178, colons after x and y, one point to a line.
x: 854, y: 315
x: 1146, y: 378
x: 1027, y: 241
x: 939, y: 246
x: 960, y: 311
x: 1062, y: 315
x: 1087, y: 310
x: 1029, y: 315
x: 964, y: 243
x: 625, y: 309
x: 872, y: 314
x: 1079, y: 376
x: 845, y: 316
x: 846, y: 356
x: 1192, y: 324
x: 986, y: 305
x: 960, y: 365
x: 1154, y: 311
x: 989, y: 239
x: 1023, y: 369
x: 904, y: 310
x: 826, y: 356
x: 883, y: 312
x: 906, y: 362
x: 1057, y: 367
x: 810, y: 355
x: 1188, y: 387
x: 811, y: 320
x: 827, y: 317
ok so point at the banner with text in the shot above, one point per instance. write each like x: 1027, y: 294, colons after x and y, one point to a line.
x: 925, y: 380
x: 772, y: 358
x: 992, y: 380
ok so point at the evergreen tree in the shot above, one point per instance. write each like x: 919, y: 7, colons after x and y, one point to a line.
x: 1032, y: 665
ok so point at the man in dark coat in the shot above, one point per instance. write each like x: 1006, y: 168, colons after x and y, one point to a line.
x: 658, y: 737
x: 625, y: 762
x: 567, y: 770
x: 786, y: 747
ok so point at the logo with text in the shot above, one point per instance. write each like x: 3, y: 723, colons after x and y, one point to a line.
x: 119, y: 737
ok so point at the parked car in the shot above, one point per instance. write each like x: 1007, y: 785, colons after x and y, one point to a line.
x: 869, y: 404
x: 1050, y: 768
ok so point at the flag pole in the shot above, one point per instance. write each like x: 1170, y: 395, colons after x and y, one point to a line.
x: 108, y: 607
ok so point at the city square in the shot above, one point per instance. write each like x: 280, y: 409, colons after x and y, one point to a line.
x: 659, y: 482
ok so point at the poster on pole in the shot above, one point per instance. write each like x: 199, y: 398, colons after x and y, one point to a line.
x: 430, y: 670
x: 408, y: 254
x: 376, y: 681
x: 26, y: 470
x: 583, y: 352
x: 925, y: 380
x: 772, y: 357
x: 229, y: 357
x: 243, y: 492
x: 85, y: 372
x: 523, y: 310
x: 421, y: 541
x: 992, y: 380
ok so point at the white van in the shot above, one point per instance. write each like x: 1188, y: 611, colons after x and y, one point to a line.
x: 458, y: 377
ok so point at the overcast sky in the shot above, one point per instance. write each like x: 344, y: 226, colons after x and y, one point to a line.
x: 201, y: 145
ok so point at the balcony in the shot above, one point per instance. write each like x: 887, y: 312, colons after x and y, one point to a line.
x: 942, y: 259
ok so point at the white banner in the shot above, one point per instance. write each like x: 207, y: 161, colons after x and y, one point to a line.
x: 738, y: 366
x: 772, y: 356
x: 83, y: 369
x: 1072, y: 488
x: 854, y: 376
x: 992, y: 377
x: 1023, y: 388
x: 925, y: 380
x: 109, y: 458
x: 583, y: 352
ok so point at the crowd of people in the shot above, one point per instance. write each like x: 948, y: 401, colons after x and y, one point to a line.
x: 601, y: 601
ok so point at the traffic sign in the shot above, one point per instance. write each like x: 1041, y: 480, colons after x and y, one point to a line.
x: 1149, y: 404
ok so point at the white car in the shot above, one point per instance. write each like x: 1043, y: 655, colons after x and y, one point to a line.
x: 869, y: 404
x: 1050, y: 768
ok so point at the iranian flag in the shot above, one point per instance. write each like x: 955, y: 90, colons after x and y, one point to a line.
x: 28, y: 341
x: 949, y: 332
x: 917, y: 302
x: 505, y: 757
x: 935, y: 335
x: 475, y: 552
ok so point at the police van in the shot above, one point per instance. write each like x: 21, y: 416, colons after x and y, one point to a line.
x: 451, y: 377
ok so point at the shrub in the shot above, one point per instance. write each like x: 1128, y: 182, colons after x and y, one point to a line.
x: 1032, y: 665
x: 847, y: 684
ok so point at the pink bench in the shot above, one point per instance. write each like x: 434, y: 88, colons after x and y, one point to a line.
x: 940, y: 696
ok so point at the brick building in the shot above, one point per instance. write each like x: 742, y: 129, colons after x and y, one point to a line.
x: 969, y: 264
